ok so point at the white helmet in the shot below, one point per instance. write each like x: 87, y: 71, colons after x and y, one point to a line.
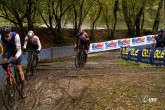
x: 30, y: 33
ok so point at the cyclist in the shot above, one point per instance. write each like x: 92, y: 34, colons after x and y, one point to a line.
x: 83, y: 39
x: 160, y: 39
x: 32, y: 42
x: 12, y: 49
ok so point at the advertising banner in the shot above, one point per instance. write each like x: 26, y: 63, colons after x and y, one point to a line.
x: 135, y: 54
x: 124, y: 42
x: 158, y: 56
x: 109, y: 45
x: 97, y: 47
x: 150, y: 39
x: 146, y: 55
x: 116, y: 44
x: 125, y: 53
x: 138, y: 41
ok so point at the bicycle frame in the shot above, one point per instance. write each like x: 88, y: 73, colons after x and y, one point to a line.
x: 80, y: 57
x: 10, y: 83
x: 10, y: 74
x: 31, y: 67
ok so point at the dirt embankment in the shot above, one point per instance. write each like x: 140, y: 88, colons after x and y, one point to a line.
x: 105, y: 83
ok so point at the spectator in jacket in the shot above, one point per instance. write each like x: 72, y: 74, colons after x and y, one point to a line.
x: 160, y: 39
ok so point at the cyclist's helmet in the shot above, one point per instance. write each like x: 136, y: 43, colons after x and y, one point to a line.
x: 81, y: 31
x: 161, y: 30
x: 5, y: 30
x: 30, y: 33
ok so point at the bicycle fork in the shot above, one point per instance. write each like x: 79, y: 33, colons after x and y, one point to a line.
x: 12, y: 80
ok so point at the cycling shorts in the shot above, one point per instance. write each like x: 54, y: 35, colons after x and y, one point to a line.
x: 86, y: 43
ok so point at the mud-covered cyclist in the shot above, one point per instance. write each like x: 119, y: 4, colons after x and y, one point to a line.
x: 32, y: 42
x: 82, y: 38
x: 10, y: 41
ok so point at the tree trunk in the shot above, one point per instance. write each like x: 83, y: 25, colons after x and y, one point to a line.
x: 116, y: 7
x: 59, y: 32
x: 75, y: 20
x: 157, y: 19
x: 131, y: 30
x: 97, y: 17
x: 138, y: 21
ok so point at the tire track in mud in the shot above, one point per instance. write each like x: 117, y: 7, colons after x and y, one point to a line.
x: 54, y: 95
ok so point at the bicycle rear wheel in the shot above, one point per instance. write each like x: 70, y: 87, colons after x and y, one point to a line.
x: 9, y: 93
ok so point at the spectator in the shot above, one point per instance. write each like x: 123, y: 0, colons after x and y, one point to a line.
x: 160, y: 39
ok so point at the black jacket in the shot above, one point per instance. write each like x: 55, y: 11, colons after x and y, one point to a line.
x: 160, y: 41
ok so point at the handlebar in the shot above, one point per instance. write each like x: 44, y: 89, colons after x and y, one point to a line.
x: 30, y: 50
x: 6, y: 63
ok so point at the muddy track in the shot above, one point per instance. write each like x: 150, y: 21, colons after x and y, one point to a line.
x: 61, y: 86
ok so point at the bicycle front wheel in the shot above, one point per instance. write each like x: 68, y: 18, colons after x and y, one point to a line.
x: 28, y: 68
x: 77, y: 61
x: 9, y: 93
x: 81, y: 59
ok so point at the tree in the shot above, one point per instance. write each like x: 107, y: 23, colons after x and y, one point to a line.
x: 109, y: 16
x: 14, y: 12
x: 157, y: 18
x: 94, y: 15
x: 80, y: 11
x: 133, y: 11
x: 55, y: 11
x: 115, y: 10
x: 31, y: 12
x: 19, y: 12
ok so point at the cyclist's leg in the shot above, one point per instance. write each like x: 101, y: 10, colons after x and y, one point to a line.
x: 21, y: 74
x: 86, y: 51
x: 35, y: 47
x: 37, y: 58
x: 5, y: 56
x: 4, y: 60
x: 6, y: 67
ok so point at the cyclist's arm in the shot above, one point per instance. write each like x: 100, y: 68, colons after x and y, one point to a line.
x: 86, y: 35
x: 18, y: 46
x: 1, y: 49
x: 1, y: 46
x: 39, y: 43
x: 25, y: 43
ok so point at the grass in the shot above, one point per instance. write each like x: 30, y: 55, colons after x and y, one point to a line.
x: 129, y: 63
x: 125, y: 92
x: 126, y: 95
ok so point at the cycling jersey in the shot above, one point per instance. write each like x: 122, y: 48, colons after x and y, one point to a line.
x: 84, y: 40
x: 84, y: 35
x: 13, y: 47
x: 34, y: 42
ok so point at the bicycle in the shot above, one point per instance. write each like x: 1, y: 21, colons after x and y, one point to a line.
x: 32, y: 63
x: 80, y: 58
x: 11, y: 87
